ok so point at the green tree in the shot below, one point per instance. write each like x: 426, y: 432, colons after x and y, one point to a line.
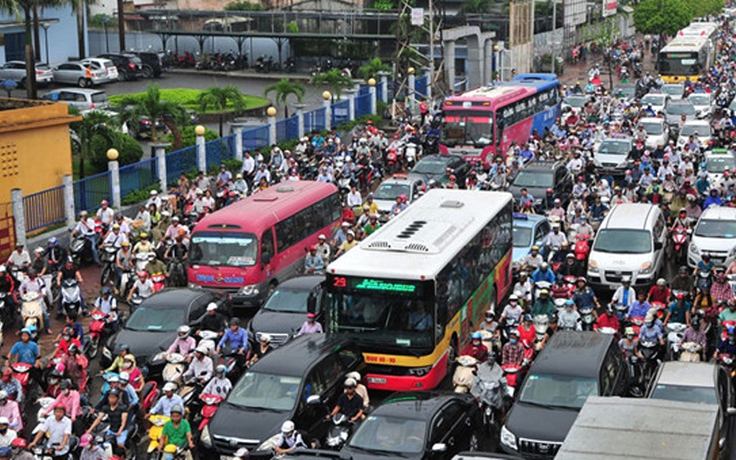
x: 283, y: 89
x: 605, y: 35
x: 95, y: 124
x: 477, y: 6
x: 129, y: 150
x: 371, y: 68
x: 662, y: 16
x: 335, y: 80
x: 702, y: 8
x: 243, y: 6
x: 25, y: 7
x: 220, y: 99
x: 152, y: 107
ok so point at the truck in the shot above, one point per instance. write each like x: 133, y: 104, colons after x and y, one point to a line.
x: 621, y: 429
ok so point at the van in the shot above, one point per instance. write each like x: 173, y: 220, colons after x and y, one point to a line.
x: 630, y: 242
x: 573, y: 366
x: 714, y: 234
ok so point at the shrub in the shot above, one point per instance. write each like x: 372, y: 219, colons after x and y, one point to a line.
x: 189, y: 138
x: 129, y: 149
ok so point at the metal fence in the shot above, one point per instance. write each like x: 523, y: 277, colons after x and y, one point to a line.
x: 420, y: 86
x: 340, y: 113
x: 90, y: 191
x: 219, y: 150
x: 138, y: 176
x: 44, y: 209
x: 255, y: 138
x: 362, y: 105
x: 180, y: 161
x: 320, y: 119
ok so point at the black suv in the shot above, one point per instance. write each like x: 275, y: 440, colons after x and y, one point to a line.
x: 573, y: 366
x: 538, y: 176
x: 299, y: 381
x: 152, y: 65
x: 129, y: 66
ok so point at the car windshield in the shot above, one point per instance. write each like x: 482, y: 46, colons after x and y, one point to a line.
x: 558, y: 390
x: 716, y: 228
x: 266, y: 391
x: 430, y: 165
x: 689, y: 130
x: 718, y: 163
x: 522, y: 237
x: 673, y: 90
x: 699, y: 99
x: 390, y: 434
x: 391, y: 191
x: 621, y: 241
x: 614, y: 147
x: 651, y: 128
x: 290, y: 300
x: 624, y: 91
x: 535, y: 179
x: 685, y: 394
x: 156, y: 319
x: 474, y: 129
x: 229, y: 249
x: 679, y: 109
x: 654, y: 99
x: 575, y: 101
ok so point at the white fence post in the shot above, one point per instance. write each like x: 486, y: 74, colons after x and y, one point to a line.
x: 114, y: 167
x: 327, y: 104
x: 300, y: 118
x: 271, y: 112
x: 160, y: 150
x: 201, y: 149
x: 16, y: 197
x: 351, y: 103
x: 69, y: 211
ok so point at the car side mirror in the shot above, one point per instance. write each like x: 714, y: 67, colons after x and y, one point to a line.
x: 658, y: 246
x: 314, y: 400
x: 265, y: 259
x: 439, y: 447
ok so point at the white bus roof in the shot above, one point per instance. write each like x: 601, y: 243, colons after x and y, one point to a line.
x: 703, y: 29
x: 687, y: 43
x: 423, y: 239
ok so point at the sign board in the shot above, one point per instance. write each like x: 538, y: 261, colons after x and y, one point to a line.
x: 417, y: 16
x: 609, y: 7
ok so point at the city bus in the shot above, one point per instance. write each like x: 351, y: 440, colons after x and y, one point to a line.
x: 483, y: 122
x: 411, y: 294
x: 247, y: 248
x: 688, y: 54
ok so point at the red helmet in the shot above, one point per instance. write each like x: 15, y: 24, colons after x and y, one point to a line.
x: 19, y: 442
x: 452, y: 177
x: 142, y: 274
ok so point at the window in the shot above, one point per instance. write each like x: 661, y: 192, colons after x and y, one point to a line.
x: 314, y: 385
x: 306, y: 222
x: 443, y: 421
x: 330, y: 370
x: 267, y: 244
x: 349, y: 358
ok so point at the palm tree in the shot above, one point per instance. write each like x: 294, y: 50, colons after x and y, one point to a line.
x: 93, y: 123
x: 285, y: 88
x: 335, y: 79
x: 152, y: 107
x: 220, y: 98
x: 371, y: 68
x: 13, y: 7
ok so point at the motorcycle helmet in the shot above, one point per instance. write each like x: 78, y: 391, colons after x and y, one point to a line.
x: 201, y: 349
x: 629, y: 332
x: 53, y: 242
x: 569, y: 303
x: 124, y: 378
x: 105, y: 291
x: 350, y: 383
x: 353, y: 375
x: 526, y: 317
x: 234, y: 322
x: 695, y: 321
x: 144, y: 236
x: 476, y: 336
x: 490, y: 316
x: 221, y: 369
x: 183, y: 331
x: 287, y: 427
x: 123, y: 348
x: 65, y: 384
x: 513, y: 298
x: 20, y: 443
x: 73, y: 348
x: 85, y: 440
x: 54, y: 377
x: 581, y: 279
x: 177, y: 408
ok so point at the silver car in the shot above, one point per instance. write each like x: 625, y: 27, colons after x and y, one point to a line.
x: 16, y: 71
x: 108, y: 65
x: 80, y: 74
x: 79, y: 98
x: 675, y: 109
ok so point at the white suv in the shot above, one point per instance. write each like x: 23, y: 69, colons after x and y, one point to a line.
x: 715, y: 234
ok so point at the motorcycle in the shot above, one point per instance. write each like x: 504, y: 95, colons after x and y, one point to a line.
x: 690, y: 352
x: 541, y: 323
x: 96, y: 333
x: 587, y: 318
x: 339, y: 432
x: 31, y: 310
x: 174, y: 369
x: 511, y: 373
x: 675, y: 332
x: 159, y: 281
x: 80, y: 250
x: 155, y: 432
x: 177, y: 273
x: 539, y: 285
x: 648, y: 365
x: 71, y: 297
x: 489, y: 389
x: 620, y: 310
x: 210, y: 405
x: 582, y: 247
x: 107, y: 257
x: 7, y: 313
x: 704, y: 280
x: 679, y: 244
x: 729, y: 363
x: 464, y: 374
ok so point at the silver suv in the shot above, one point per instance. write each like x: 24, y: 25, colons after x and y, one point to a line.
x: 16, y: 71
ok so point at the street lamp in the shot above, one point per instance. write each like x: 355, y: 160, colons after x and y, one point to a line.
x: 105, y: 20
x: 46, y: 26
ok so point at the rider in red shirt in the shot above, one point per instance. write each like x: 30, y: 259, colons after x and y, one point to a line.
x: 475, y: 348
x: 659, y: 293
x: 527, y: 333
x: 607, y: 319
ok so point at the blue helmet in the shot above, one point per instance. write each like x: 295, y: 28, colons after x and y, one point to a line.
x: 476, y: 335
x: 53, y: 241
x: 569, y: 303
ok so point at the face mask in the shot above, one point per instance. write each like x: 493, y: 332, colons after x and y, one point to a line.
x: 512, y: 340
x: 127, y: 365
x: 53, y: 381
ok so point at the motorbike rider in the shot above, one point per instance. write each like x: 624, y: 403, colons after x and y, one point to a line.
x: 544, y: 305
x: 523, y: 287
x: 236, y: 337
x: 527, y: 332
x: 625, y: 294
x: 263, y: 348
x: 107, y: 304
x: 6, y: 434
x: 679, y: 310
x: 681, y: 220
x: 74, y: 365
x: 178, y: 251
x: 117, y: 417
x: 651, y: 331
x: 569, y: 318
x: 571, y: 267
x: 200, y: 367
x: 695, y: 332
x: 682, y: 281
x: 20, y: 257
x: 555, y: 239
x: 177, y: 432
x: 115, y: 237
x: 628, y: 342
x: 8, y: 287
x: 144, y: 245
x: 289, y: 439
x: 117, y: 364
x: 69, y: 398
x: 183, y: 344
x: 92, y: 448
x: 551, y: 330
x: 85, y: 228
x: 55, y: 254
x: 721, y: 289
x: 475, y: 348
x: 11, y: 385
x: 607, y: 320
x: 533, y: 260
x: 70, y: 272
x: 544, y: 273
x: 219, y: 385
x: 705, y: 266
x: 143, y: 286
x: 123, y: 262
x: 155, y: 267
x: 584, y: 295
x: 349, y: 403
x: 728, y: 345
x: 513, y: 351
x: 58, y: 429
x: 639, y: 307
x: 659, y: 293
x: 313, y: 262
x: 512, y: 311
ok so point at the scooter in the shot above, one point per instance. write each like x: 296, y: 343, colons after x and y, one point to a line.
x: 582, y: 247
x: 464, y: 374
x: 679, y: 244
x: 209, y: 408
x: 704, y: 280
x: 174, y: 368
x: 159, y: 281
x: 541, y: 323
x: 31, y: 310
x: 587, y: 318
x: 489, y: 388
x: 71, y: 297
x: 7, y: 313
x: 155, y: 432
x: 96, y: 331
x: 339, y: 432
x: 107, y: 257
x: 675, y: 332
x: 80, y: 250
x: 512, y: 375
x: 690, y: 352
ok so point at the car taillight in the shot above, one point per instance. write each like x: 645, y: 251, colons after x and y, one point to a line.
x: 131, y: 65
x: 92, y: 106
x: 39, y: 72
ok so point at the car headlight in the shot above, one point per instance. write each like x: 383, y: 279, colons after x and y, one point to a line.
x: 593, y: 266
x: 694, y: 248
x: 251, y: 289
x: 194, y: 286
x: 420, y: 371
x: 508, y: 438
x: 205, y: 437
x: 106, y: 353
x: 646, y: 268
x: 270, y: 443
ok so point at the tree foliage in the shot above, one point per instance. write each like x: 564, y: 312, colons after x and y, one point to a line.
x: 129, y: 150
x: 218, y: 98
x: 335, y: 80
x: 371, y: 68
x: 243, y: 6
x: 283, y: 89
x: 702, y: 8
x: 152, y: 107
x: 662, y: 16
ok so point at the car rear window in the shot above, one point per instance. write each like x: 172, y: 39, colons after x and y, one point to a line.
x: 99, y: 97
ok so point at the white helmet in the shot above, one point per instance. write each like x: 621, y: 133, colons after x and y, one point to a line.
x: 212, y: 306
x: 287, y: 427
x: 353, y: 375
x: 184, y: 331
x: 201, y: 349
x: 3, y: 269
x: 170, y: 386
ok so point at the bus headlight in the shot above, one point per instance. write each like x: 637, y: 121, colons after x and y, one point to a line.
x: 508, y: 438
x: 251, y: 289
x: 420, y: 371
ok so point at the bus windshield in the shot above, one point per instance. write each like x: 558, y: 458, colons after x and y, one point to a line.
x: 226, y: 249
x: 679, y: 64
x: 463, y: 128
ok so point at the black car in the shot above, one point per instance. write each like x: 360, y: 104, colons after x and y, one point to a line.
x: 152, y: 65
x: 129, y: 66
x: 286, y: 309
x: 538, y: 176
x: 439, y: 168
x: 299, y: 381
x: 151, y: 329
x: 573, y: 366
x: 418, y: 425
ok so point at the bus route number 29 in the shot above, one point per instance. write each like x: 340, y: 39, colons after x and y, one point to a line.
x: 339, y: 282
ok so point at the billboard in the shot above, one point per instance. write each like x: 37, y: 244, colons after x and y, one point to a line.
x: 609, y: 7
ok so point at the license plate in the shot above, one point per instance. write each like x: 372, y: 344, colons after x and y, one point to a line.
x: 377, y: 380
x: 227, y: 457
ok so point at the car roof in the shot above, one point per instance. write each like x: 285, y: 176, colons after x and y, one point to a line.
x: 531, y: 221
x: 687, y: 374
x: 401, y: 180
x: 78, y: 90
x: 176, y: 296
x: 618, y: 139
x: 308, y: 282
x: 297, y: 356
x: 445, y: 158
x: 629, y: 215
x: 718, y: 213
x: 697, y: 122
x: 651, y: 120
x: 419, y: 405
x: 541, y: 166
x: 573, y: 353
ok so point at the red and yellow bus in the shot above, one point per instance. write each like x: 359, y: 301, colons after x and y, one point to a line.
x: 250, y: 246
x: 411, y: 294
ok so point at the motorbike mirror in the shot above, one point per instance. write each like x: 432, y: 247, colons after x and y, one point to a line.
x: 439, y: 447
x: 658, y: 245
x: 314, y: 399
x: 731, y: 411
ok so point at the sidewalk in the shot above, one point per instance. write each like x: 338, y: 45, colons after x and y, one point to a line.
x: 578, y: 72
x: 305, y: 78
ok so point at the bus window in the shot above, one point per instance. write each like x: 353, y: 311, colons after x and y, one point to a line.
x: 267, y: 249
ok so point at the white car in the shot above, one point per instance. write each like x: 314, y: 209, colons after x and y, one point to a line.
x: 701, y: 128
x: 656, y: 100
x: 715, y: 234
x: 656, y: 131
x: 716, y: 162
x: 111, y: 74
x: 576, y: 102
x: 702, y: 103
x: 674, y: 90
x: 75, y: 73
x: 16, y: 71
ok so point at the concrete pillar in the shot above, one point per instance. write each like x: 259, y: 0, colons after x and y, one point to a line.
x: 474, y: 63
x: 272, y: 127
x: 114, y: 167
x: 16, y: 197
x: 411, y: 91
x: 160, y: 152
x: 237, y: 129
x: 350, y: 93
x: 201, y: 149
x: 327, y: 104
x: 299, y: 109
x: 69, y: 212
x: 384, y: 86
x: 488, y: 56
x: 373, y: 100
x: 450, y: 64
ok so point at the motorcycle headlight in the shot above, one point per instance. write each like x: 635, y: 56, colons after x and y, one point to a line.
x: 270, y: 443
x: 205, y: 437
x: 646, y: 268
x: 593, y: 266
x: 106, y: 353
x: 161, y: 356
x: 251, y: 289
x: 420, y: 371
x: 508, y: 438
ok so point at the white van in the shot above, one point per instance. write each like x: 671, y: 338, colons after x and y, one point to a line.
x: 715, y: 234
x: 629, y: 242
